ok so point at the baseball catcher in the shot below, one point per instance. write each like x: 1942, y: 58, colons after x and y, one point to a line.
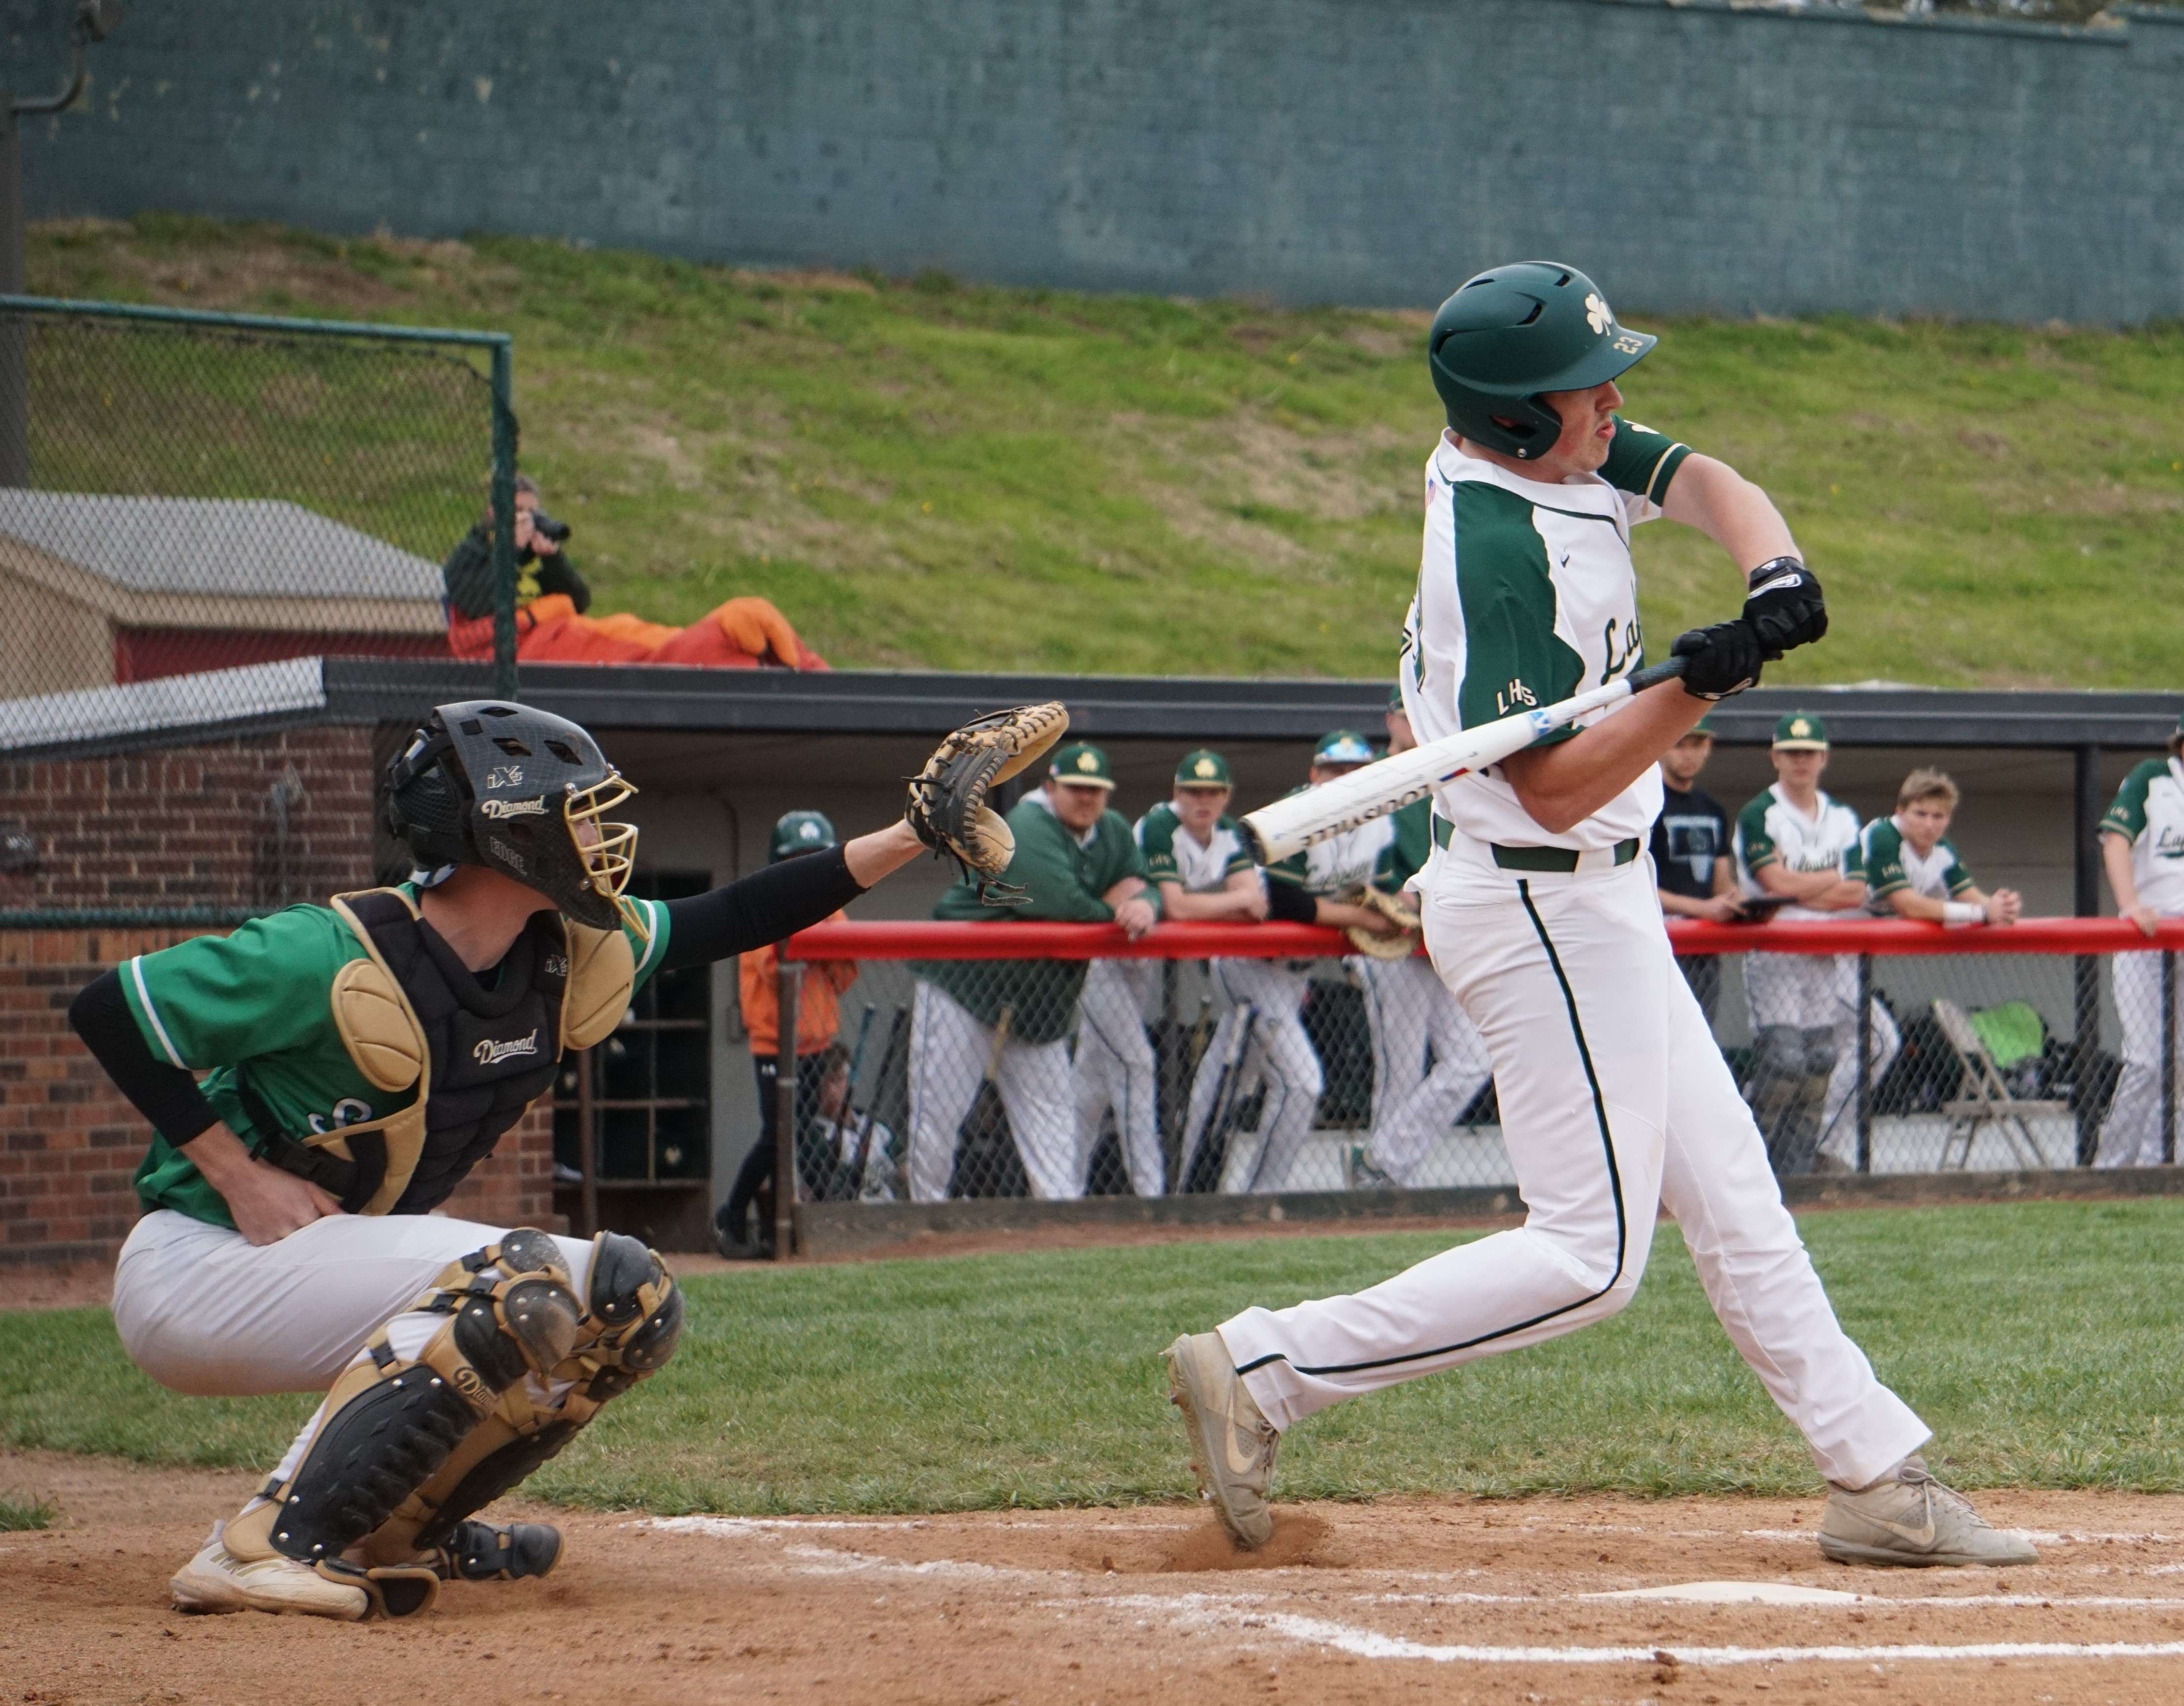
x: 359, y: 1059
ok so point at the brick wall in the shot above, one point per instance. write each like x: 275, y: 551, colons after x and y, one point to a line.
x: 196, y: 825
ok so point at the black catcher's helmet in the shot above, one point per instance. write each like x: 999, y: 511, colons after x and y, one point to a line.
x: 523, y: 792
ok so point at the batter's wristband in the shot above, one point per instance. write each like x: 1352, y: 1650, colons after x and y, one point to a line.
x: 1767, y: 571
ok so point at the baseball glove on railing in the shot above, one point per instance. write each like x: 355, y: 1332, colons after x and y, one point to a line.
x: 948, y: 807
x: 1397, y: 910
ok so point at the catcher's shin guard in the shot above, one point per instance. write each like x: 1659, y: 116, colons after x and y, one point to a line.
x: 391, y: 1424
x: 631, y: 1320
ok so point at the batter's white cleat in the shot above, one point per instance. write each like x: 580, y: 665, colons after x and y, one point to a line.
x: 216, y: 1579
x: 1907, y: 1517
x: 1232, y: 1443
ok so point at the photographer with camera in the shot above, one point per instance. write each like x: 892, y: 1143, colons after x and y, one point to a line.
x: 541, y: 565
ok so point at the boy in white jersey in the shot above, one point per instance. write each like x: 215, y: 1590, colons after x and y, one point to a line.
x: 2143, y: 852
x: 1797, y: 843
x: 1318, y: 886
x: 1912, y: 868
x: 1542, y: 920
x: 1198, y: 862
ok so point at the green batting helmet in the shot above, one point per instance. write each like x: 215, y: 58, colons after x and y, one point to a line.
x: 1514, y: 332
x: 800, y: 832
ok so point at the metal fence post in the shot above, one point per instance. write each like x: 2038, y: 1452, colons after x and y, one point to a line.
x: 789, y: 984
x: 2168, y: 1057
x: 504, y: 521
x: 1865, y: 1063
x: 2086, y: 968
x: 14, y: 332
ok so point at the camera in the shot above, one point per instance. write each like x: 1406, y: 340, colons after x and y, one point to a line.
x: 546, y: 527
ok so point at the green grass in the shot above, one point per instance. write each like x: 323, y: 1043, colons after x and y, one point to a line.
x: 927, y: 473
x: 19, y: 1516
x: 2038, y: 1339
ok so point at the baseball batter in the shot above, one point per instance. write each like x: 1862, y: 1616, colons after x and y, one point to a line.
x: 2143, y: 852
x: 1541, y: 918
x: 1797, y: 843
x: 1318, y: 886
x: 360, y: 1059
x: 1408, y: 1008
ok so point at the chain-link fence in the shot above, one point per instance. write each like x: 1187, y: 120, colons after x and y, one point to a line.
x: 1013, y: 1060
x: 193, y: 503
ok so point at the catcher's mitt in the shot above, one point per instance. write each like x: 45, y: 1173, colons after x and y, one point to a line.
x: 948, y: 807
x: 1398, y: 910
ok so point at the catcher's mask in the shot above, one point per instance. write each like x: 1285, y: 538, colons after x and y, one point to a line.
x: 523, y: 792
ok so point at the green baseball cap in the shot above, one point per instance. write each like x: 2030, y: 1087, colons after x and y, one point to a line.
x: 800, y: 832
x: 1343, y: 747
x: 1801, y: 731
x: 1082, y: 765
x: 1703, y: 726
x: 1203, y: 769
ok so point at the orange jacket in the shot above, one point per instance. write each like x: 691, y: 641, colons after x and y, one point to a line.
x: 818, y: 1014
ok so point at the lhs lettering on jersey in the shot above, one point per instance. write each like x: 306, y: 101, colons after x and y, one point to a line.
x: 348, y: 1111
x: 1506, y: 701
x: 488, y: 1053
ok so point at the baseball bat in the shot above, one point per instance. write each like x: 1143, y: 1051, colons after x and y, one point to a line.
x: 842, y: 1113
x: 1288, y: 827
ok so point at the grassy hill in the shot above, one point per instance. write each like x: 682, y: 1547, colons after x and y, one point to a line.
x: 926, y: 473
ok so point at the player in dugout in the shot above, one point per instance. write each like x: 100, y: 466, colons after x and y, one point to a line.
x: 360, y: 1059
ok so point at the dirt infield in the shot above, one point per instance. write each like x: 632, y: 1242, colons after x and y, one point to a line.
x: 1581, y: 1600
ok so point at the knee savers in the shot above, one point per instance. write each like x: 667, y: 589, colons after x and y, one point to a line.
x: 408, y: 1449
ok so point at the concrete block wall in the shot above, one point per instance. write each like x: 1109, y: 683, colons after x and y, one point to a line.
x: 1693, y: 154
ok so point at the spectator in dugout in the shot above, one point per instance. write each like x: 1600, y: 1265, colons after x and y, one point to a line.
x: 818, y: 1021
x: 552, y: 607
x: 1799, y: 849
x: 1692, y: 869
x: 2143, y: 852
x: 1911, y: 868
x: 1076, y: 862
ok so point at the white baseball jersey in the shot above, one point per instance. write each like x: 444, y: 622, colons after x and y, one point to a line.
x: 1173, y: 854
x: 1893, y: 865
x: 1770, y: 830
x: 1526, y: 595
x: 2149, y: 808
x: 1341, y: 866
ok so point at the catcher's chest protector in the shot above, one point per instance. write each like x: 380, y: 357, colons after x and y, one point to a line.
x: 411, y: 1014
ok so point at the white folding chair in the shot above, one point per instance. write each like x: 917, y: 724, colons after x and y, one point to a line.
x: 1986, y: 1097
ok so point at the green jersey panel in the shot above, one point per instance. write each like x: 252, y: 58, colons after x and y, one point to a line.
x: 260, y: 999
x: 1755, y: 844
x: 1882, y: 848
x: 2127, y: 816
x: 1642, y: 461
x: 1405, y: 856
x: 1513, y: 661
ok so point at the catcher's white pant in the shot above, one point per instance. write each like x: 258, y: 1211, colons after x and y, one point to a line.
x: 1407, y: 1006
x: 1116, y: 1067
x: 951, y: 1054
x: 1280, y: 1054
x: 1815, y: 991
x: 1614, y: 1098
x: 2131, y: 1135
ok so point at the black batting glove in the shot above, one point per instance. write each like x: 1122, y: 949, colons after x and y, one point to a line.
x: 1723, y: 659
x: 1783, y: 607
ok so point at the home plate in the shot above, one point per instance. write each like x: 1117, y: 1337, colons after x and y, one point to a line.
x: 1738, y: 1593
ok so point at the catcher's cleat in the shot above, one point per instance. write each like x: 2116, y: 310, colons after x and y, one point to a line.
x: 217, y: 1580
x: 1908, y: 1517
x: 479, y: 1551
x: 1232, y: 1444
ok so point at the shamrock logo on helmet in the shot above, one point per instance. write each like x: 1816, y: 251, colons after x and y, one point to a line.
x: 1207, y: 768
x: 1598, y: 313
x: 1085, y: 761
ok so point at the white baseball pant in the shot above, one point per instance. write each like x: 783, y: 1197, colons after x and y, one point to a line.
x: 1408, y: 1007
x: 949, y: 1053
x: 1818, y: 992
x: 1280, y: 1054
x: 1614, y: 1098
x: 1116, y: 1067
x: 204, y: 1311
x: 2131, y: 1135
